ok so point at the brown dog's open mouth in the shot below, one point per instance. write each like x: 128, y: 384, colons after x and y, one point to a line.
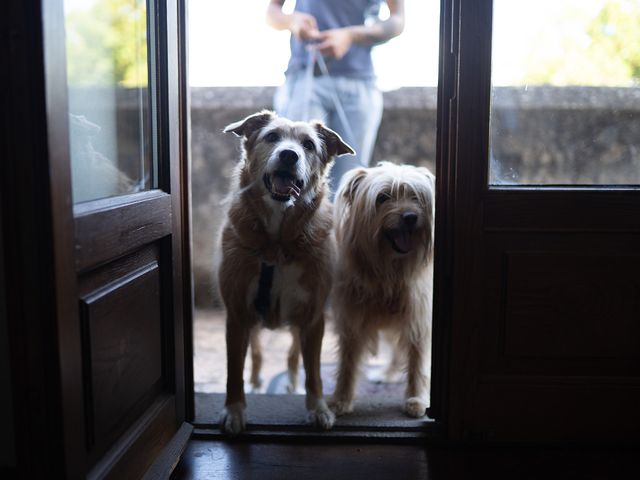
x: 401, y: 240
x: 283, y: 185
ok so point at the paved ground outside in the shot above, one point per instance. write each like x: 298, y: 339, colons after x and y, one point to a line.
x: 210, y: 361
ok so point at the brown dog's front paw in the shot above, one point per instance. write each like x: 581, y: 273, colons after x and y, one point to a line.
x: 341, y: 406
x: 319, y: 413
x: 415, y: 407
x: 323, y: 418
x: 233, y: 419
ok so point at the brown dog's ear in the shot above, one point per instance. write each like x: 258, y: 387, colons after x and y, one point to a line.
x: 335, y: 145
x: 244, y: 128
x: 349, y: 184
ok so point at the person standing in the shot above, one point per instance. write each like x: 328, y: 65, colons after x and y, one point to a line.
x: 343, y: 32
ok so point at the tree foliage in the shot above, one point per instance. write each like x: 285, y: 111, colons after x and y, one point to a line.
x: 601, y: 50
x: 106, y: 44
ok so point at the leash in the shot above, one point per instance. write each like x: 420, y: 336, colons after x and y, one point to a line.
x: 316, y: 58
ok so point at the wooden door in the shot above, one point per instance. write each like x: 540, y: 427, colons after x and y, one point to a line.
x: 116, y: 127
x: 540, y: 281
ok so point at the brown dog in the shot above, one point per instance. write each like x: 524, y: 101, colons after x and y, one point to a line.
x: 277, y: 249
x: 384, y: 229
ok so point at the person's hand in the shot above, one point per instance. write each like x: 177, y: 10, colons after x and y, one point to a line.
x: 304, y: 26
x: 335, y: 42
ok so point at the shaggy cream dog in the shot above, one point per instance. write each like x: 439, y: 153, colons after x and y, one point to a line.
x: 384, y: 229
x: 277, y: 250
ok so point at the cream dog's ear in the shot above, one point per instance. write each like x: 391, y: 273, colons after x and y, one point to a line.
x: 244, y: 128
x: 335, y: 145
x: 349, y: 184
x: 429, y: 175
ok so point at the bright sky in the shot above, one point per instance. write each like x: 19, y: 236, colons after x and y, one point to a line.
x: 231, y: 45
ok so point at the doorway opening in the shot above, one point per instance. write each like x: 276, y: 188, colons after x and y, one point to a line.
x: 228, y: 84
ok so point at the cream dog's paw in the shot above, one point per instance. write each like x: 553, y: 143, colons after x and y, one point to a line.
x: 233, y: 419
x: 415, y: 407
x: 341, y: 406
x: 322, y: 416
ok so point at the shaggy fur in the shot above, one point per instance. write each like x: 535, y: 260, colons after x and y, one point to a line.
x: 384, y: 230
x: 279, y: 219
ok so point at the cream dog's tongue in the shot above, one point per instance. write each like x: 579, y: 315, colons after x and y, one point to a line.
x: 403, y: 240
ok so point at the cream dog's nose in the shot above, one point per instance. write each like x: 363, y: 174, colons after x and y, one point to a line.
x: 410, y: 219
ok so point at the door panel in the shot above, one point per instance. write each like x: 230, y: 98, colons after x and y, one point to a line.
x: 555, y: 307
x: 122, y: 342
x: 557, y: 303
x: 541, y: 283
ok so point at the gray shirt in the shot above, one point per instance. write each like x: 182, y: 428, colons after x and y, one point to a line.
x: 336, y: 14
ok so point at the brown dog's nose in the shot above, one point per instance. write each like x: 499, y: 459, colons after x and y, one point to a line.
x: 410, y: 219
x: 288, y: 158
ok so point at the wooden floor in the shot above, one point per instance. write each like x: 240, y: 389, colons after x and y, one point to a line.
x: 205, y: 459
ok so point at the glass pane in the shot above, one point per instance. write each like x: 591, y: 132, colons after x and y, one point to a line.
x: 106, y: 46
x: 566, y: 92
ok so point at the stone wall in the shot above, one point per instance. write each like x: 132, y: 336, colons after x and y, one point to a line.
x: 541, y: 135
x: 569, y: 135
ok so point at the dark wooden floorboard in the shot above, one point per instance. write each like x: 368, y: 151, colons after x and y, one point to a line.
x: 205, y: 459
x: 208, y: 459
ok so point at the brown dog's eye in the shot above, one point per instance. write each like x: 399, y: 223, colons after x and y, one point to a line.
x: 272, y: 137
x: 381, y: 198
x: 308, y: 145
